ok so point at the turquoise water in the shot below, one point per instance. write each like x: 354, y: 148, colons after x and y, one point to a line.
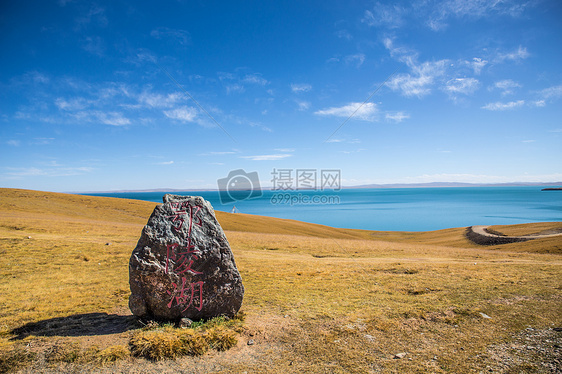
x: 394, y: 209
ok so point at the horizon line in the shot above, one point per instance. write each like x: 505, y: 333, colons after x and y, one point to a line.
x: 362, y: 186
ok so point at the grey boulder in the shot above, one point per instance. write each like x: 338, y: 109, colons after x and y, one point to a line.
x: 182, y: 266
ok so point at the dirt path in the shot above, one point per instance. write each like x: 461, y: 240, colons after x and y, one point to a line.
x: 479, y: 235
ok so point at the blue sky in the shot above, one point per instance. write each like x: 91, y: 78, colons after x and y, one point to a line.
x: 117, y: 95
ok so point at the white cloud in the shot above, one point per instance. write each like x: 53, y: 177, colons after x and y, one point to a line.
x: 107, y: 118
x: 184, y: 113
x: 386, y: 15
x: 112, y: 118
x: 477, y: 64
x: 303, y: 105
x: 465, y: 86
x: 163, y: 163
x: 504, y: 106
x: 94, y: 45
x: 300, y: 87
x: 421, y: 81
x: 437, y: 14
x: 539, y: 103
x: 96, y: 16
x: 396, y: 116
x: 72, y: 104
x: 473, y: 9
x: 234, y: 88
x: 13, y: 143
x: 42, y: 141
x: 255, y: 79
x: 181, y: 36
x: 285, y: 150
x: 365, y: 112
x: 551, y: 92
x: 356, y: 59
x: 422, y: 77
x: 55, y: 171
x: 343, y: 34
x: 267, y: 157
x: 154, y: 100
x: 410, y: 85
x: 520, y: 54
x: 507, y: 86
x: 218, y: 153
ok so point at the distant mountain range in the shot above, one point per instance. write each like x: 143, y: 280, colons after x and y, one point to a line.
x: 457, y: 184
x: 392, y: 185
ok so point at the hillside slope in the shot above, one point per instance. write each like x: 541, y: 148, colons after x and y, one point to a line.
x: 317, y: 299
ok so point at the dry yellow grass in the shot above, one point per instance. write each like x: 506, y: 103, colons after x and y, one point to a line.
x: 317, y: 299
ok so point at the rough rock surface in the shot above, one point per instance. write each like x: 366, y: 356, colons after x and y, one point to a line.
x: 182, y: 266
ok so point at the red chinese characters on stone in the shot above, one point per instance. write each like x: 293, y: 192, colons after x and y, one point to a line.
x: 184, y: 258
x: 180, y: 297
x: 180, y: 210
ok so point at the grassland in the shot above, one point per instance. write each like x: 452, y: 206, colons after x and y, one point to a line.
x: 318, y: 299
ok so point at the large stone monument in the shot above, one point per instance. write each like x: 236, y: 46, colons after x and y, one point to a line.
x: 182, y: 266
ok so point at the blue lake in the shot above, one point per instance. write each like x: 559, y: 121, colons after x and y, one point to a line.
x: 392, y: 209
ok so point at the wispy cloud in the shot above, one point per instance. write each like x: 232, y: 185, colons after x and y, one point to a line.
x: 42, y: 141
x: 218, y: 153
x: 54, y: 171
x: 343, y: 34
x: 273, y: 157
x: 94, y: 16
x: 235, y: 83
x: 476, y: 64
x: 423, y: 75
x: 465, y: 86
x: 176, y: 35
x: 163, y: 163
x: 442, y: 11
x: 234, y: 88
x: 517, y: 55
x: 94, y: 45
x: 506, y: 86
x: 504, y: 106
x: 183, y: 114
x: 73, y: 104
x: 421, y: 81
x: 155, y: 100
x: 364, y: 112
x: 255, y: 79
x: 14, y: 143
x: 437, y: 14
x: 300, y: 87
x: 356, y: 59
x: 385, y: 15
x: 539, y: 103
x: 553, y: 92
x: 396, y: 116
x: 112, y: 118
x: 303, y: 105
